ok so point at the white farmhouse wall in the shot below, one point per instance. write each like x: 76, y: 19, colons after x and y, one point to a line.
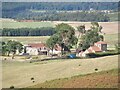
x: 32, y: 51
x: 54, y: 52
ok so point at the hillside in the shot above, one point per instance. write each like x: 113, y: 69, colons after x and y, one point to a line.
x: 105, y: 79
x: 19, y: 74
x: 49, y: 11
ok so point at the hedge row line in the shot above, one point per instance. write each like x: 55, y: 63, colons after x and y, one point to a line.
x: 45, y: 31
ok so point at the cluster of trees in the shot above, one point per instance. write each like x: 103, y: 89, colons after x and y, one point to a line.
x: 20, y: 10
x: 66, y: 38
x: 65, y: 16
x: 20, y: 6
x: 89, y: 37
x: 46, y: 31
x: 11, y: 47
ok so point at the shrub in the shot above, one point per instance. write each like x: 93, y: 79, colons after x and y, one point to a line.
x: 32, y: 78
x: 30, y: 61
x: 96, y: 69
x: 100, y: 54
x: 33, y: 81
x: 35, y: 57
x: 11, y: 87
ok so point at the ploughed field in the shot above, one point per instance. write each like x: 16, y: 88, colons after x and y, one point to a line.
x: 19, y: 74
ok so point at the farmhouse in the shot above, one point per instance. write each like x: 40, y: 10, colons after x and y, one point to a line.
x: 57, y: 50
x: 97, y: 47
x: 36, y: 49
x: 41, y: 49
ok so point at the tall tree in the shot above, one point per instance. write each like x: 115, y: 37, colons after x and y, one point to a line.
x: 12, y: 47
x: 52, y: 41
x: 4, y: 48
x: 91, y: 36
x: 65, y: 37
x: 96, y: 26
x: 81, y: 30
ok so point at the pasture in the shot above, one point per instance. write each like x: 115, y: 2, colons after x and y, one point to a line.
x: 15, y: 24
x: 114, y: 16
x: 19, y: 74
x: 28, y: 39
x: 108, y: 27
x: 104, y: 79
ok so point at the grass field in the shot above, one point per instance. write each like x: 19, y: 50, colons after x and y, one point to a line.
x: 15, y: 24
x: 113, y: 16
x: 105, y: 79
x: 19, y: 74
x: 108, y: 27
x: 111, y: 40
x: 28, y: 39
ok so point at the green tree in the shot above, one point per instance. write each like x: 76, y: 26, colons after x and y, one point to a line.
x: 91, y: 36
x: 12, y: 47
x: 65, y: 37
x: 81, y: 30
x: 89, y: 39
x: 4, y: 48
x: 96, y: 26
x: 52, y: 41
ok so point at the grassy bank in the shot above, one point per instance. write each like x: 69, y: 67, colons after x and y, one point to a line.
x: 19, y: 74
x: 104, y: 79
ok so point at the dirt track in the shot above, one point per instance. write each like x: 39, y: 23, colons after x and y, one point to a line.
x: 19, y: 74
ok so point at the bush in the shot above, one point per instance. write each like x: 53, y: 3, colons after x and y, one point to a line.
x: 35, y: 57
x: 32, y: 78
x: 11, y: 87
x: 100, y: 54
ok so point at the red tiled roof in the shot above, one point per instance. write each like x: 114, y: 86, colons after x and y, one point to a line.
x: 100, y: 42
x: 96, y: 49
x: 37, y: 45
